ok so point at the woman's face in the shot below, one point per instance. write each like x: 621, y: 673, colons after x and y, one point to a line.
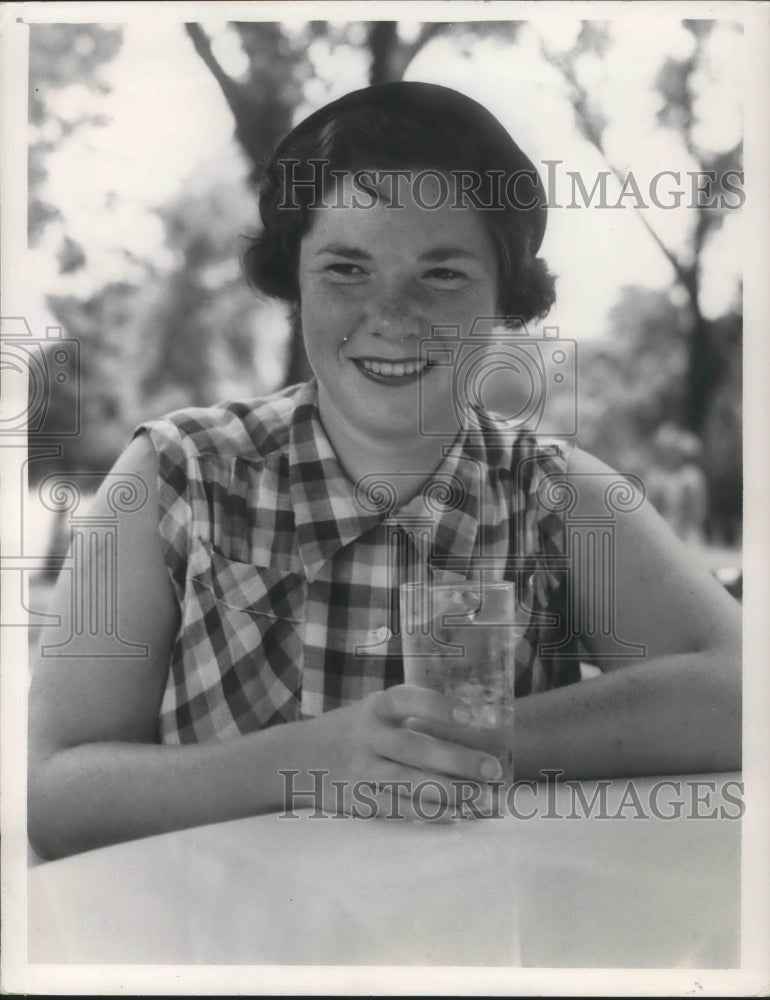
x: 374, y: 281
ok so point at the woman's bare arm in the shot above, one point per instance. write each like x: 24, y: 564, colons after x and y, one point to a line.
x: 97, y: 773
x: 677, y: 708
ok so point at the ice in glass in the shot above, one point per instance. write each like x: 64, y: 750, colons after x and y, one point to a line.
x: 459, y: 639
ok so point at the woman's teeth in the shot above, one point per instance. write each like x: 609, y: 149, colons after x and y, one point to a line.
x: 396, y: 370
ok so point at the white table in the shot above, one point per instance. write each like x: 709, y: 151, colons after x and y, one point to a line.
x: 547, y: 891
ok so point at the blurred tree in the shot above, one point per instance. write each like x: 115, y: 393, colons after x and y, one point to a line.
x: 679, y: 83
x: 263, y: 99
x: 262, y: 103
x: 723, y: 435
x: 93, y: 397
x: 175, y: 335
x: 709, y: 400
x: 65, y: 87
x: 390, y: 53
x: 186, y: 335
x: 199, y: 339
x: 630, y: 384
x: 630, y: 380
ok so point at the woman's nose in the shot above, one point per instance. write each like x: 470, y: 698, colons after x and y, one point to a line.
x: 394, y: 318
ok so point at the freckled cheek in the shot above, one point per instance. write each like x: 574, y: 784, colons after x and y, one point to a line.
x: 325, y: 320
x: 339, y: 313
x: 460, y: 310
x: 327, y: 297
x: 332, y: 308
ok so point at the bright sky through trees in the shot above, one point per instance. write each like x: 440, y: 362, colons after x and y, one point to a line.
x: 167, y: 117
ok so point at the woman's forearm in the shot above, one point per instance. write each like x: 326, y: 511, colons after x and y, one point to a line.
x: 95, y: 794
x: 676, y: 714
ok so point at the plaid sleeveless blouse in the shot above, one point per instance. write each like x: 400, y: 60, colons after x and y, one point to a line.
x: 286, y: 572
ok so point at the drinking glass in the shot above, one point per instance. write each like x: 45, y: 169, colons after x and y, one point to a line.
x: 459, y: 639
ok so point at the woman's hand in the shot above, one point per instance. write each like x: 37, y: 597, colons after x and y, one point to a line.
x: 372, y: 761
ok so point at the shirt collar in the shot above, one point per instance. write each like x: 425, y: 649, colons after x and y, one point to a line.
x: 448, y: 505
x: 329, y: 512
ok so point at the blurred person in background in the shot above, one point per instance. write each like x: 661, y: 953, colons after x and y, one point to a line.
x: 677, y: 485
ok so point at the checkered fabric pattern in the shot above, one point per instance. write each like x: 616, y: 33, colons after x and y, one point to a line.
x: 286, y: 573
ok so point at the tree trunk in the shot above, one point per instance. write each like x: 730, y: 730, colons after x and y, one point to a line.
x: 384, y: 47
x: 703, y: 374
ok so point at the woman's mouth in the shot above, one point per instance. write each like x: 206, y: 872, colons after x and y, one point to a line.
x: 391, y: 372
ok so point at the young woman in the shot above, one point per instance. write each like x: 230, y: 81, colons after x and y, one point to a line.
x: 259, y: 574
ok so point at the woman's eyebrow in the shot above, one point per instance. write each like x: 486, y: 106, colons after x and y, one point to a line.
x: 445, y: 253
x: 433, y: 255
x: 343, y: 250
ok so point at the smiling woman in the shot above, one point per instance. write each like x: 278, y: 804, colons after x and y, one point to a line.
x: 373, y: 284
x: 262, y: 577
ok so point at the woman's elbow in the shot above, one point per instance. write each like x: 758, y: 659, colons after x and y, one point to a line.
x: 46, y: 812
x: 723, y: 704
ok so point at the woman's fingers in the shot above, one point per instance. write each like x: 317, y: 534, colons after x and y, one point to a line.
x: 417, y: 750
x: 450, y: 755
x: 384, y: 769
x: 470, y: 736
x: 397, y: 703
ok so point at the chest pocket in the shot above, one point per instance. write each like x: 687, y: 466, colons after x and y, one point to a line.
x: 257, y: 590
x: 237, y: 665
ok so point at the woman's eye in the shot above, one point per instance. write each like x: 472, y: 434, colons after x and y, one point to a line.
x: 343, y: 270
x: 445, y: 275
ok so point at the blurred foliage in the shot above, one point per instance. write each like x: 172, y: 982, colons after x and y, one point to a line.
x: 630, y: 385
x: 61, y: 56
x: 198, y: 339
x: 186, y: 335
x: 678, y: 85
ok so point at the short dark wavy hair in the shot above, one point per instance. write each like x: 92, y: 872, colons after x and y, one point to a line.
x: 366, y: 138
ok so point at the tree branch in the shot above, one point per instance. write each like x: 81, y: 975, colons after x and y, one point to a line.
x: 427, y: 32
x: 682, y: 271
x: 391, y: 56
x: 230, y: 89
x: 592, y: 132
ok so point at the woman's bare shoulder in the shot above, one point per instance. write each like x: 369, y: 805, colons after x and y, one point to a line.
x: 105, y: 681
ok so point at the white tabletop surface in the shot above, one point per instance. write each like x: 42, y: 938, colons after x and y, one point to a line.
x: 548, y: 891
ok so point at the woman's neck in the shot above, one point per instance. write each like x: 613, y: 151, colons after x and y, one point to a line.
x: 405, y: 463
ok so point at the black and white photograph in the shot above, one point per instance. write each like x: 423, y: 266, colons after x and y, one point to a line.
x: 383, y: 462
